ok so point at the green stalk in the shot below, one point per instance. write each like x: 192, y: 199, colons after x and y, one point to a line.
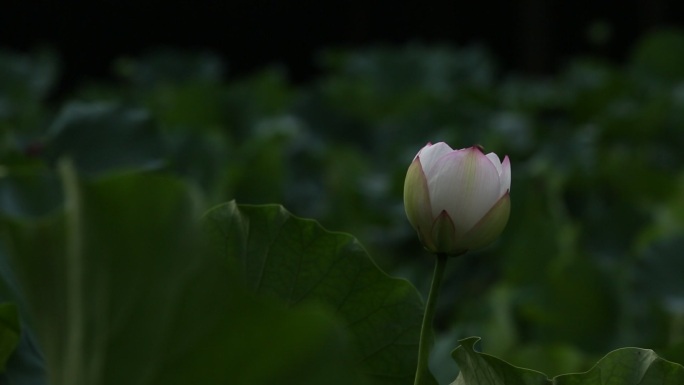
x: 422, y: 371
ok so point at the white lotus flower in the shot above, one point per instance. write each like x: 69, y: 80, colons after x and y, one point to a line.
x: 457, y: 200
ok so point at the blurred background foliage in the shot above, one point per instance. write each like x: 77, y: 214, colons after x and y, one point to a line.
x: 591, y: 259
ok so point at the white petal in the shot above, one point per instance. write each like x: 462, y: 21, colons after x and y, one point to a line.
x: 495, y: 160
x: 505, y: 178
x: 466, y: 184
x: 490, y: 226
x: 430, y: 153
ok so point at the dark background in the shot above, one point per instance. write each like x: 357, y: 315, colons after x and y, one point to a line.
x: 590, y: 261
x: 532, y: 36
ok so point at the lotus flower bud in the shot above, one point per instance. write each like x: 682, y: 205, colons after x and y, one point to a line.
x: 457, y: 200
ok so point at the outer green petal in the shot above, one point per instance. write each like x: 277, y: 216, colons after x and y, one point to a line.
x: 490, y: 226
x: 417, y: 202
x: 444, y: 235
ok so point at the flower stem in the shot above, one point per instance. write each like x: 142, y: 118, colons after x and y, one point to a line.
x: 422, y: 371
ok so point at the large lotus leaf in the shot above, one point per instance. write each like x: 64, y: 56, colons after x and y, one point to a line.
x: 121, y: 292
x: 299, y: 262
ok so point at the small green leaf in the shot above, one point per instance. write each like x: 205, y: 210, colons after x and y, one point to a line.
x: 99, y: 137
x: 9, y: 332
x: 483, y: 369
x: 26, y: 366
x: 659, y: 53
x: 29, y: 194
x: 298, y: 261
x: 626, y: 366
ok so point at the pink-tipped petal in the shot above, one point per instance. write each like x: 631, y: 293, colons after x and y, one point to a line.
x: 465, y: 183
